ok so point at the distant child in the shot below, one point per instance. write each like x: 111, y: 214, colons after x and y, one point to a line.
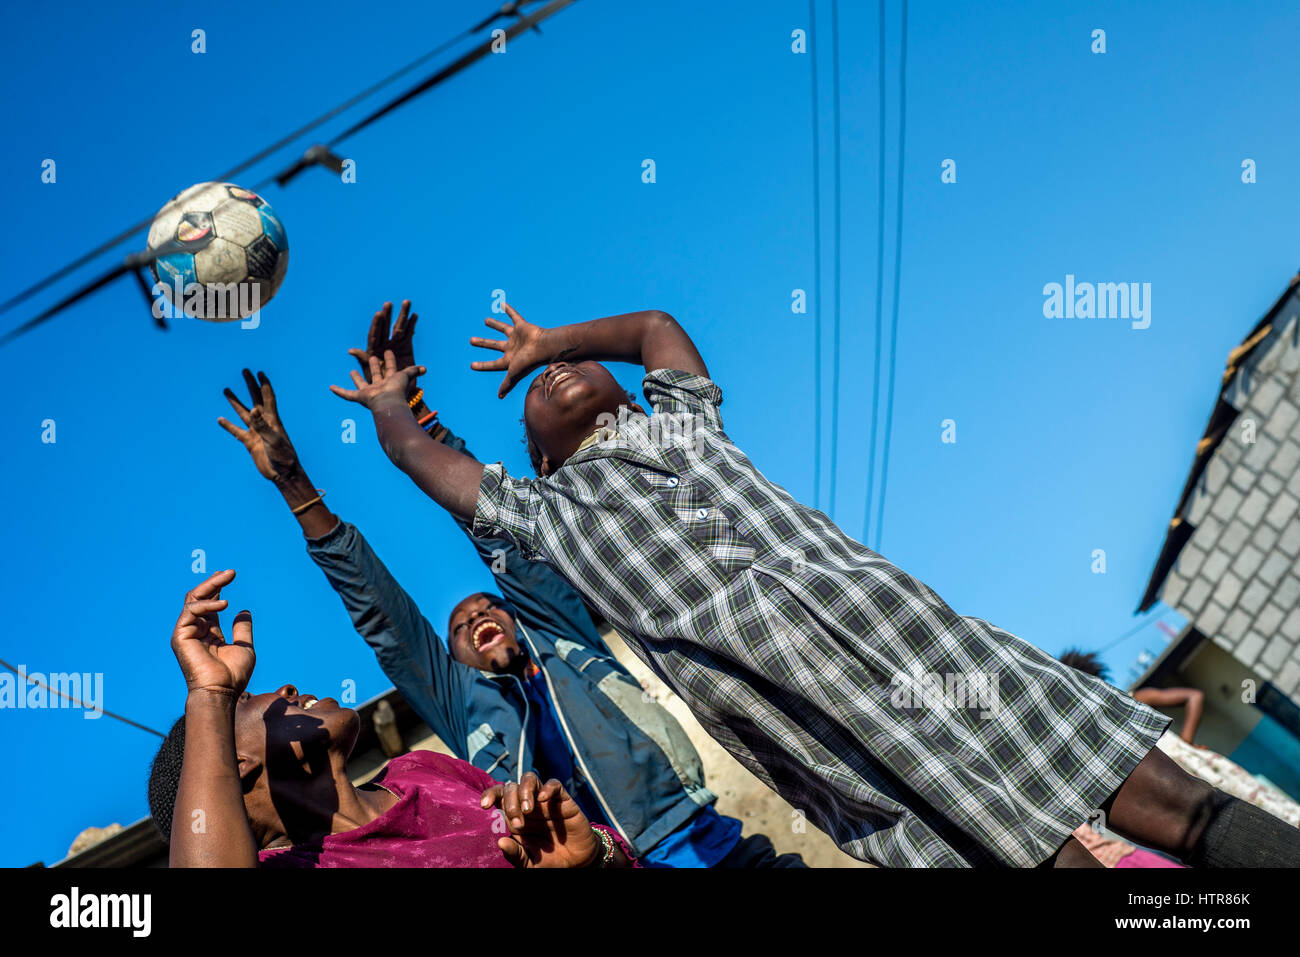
x: 839, y: 680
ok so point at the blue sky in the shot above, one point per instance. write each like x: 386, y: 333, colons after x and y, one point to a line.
x: 524, y: 174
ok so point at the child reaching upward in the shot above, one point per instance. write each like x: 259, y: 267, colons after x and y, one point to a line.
x: 812, y: 659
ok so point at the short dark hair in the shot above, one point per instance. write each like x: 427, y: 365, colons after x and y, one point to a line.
x: 491, y: 596
x: 165, y: 779
x: 1089, y: 662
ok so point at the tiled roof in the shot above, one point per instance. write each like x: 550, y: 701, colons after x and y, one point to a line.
x: 1229, y: 563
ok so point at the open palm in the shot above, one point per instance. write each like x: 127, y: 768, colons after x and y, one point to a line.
x: 265, y: 438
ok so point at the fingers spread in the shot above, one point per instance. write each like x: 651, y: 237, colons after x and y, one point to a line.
x: 510, y: 311
x: 378, y: 330
x: 230, y: 427
x: 399, y: 327
x: 348, y: 394
x: 496, y: 324
x: 254, y: 390
x: 235, y: 404
x: 363, y: 359
x: 257, y: 422
x: 267, y: 392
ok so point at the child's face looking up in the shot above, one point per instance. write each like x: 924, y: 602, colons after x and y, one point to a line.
x: 563, y: 406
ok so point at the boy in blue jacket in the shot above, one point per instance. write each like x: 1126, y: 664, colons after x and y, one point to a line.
x: 526, y: 682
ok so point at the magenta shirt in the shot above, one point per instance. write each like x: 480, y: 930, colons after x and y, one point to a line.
x: 436, y: 822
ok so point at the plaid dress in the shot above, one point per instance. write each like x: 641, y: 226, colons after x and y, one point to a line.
x: 912, y: 735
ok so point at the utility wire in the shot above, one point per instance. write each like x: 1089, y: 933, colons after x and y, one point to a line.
x: 1131, y: 632
x: 315, y: 155
x: 236, y: 170
x: 835, y: 340
x: 79, y: 702
x: 880, y: 287
x: 817, y: 263
x: 898, y: 268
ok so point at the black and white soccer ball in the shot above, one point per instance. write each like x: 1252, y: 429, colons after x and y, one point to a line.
x: 220, y: 252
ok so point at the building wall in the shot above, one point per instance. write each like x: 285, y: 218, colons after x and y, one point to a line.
x: 1237, y: 579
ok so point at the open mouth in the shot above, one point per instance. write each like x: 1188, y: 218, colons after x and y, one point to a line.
x: 486, y: 632
x: 558, y: 376
x: 309, y: 701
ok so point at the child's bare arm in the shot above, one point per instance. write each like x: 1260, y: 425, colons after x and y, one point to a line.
x: 445, y: 475
x: 650, y: 337
x: 216, y: 674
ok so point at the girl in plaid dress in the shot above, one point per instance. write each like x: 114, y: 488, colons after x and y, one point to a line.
x: 912, y: 735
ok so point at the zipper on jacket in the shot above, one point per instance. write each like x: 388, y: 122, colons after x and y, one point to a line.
x: 573, y: 748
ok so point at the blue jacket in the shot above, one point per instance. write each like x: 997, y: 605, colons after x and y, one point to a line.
x: 632, y: 759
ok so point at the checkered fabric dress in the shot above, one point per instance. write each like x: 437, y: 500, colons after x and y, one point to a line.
x: 842, y: 682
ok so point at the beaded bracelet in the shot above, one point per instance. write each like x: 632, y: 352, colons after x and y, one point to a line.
x: 416, y: 399
x: 606, y: 845
x: 610, y: 839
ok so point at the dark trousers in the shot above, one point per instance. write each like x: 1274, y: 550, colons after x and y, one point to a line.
x: 757, y: 851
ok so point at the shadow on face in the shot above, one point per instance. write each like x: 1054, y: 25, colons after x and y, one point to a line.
x: 284, y: 740
x: 481, y: 634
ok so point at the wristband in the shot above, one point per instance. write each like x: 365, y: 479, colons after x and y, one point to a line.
x: 308, y: 504
x: 416, y: 399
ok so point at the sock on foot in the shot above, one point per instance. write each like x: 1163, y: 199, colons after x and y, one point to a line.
x: 1241, y: 835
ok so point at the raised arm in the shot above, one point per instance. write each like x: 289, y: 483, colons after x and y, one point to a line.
x: 405, y: 644
x: 650, y: 338
x: 449, y: 478
x: 1193, y: 699
x: 216, y: 675
x: 273, y: 454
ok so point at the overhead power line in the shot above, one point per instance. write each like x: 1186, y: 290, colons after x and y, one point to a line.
x: 314, y: 156
x: 817, y: 262
x: 234, y: 171
x: 898, y: 272
x: 835, y: 334
x: 1143, y: 623
x: 77, y: 701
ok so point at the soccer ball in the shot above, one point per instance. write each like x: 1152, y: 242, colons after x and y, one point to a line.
x: 220, y: 252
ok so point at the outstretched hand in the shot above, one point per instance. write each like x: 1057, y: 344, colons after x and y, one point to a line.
x: 380, y: 340
x: 265, y: 438
x: 523, y: 349
x: 546, y: 828
x: 207, y: 662
x: 386, y: 385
